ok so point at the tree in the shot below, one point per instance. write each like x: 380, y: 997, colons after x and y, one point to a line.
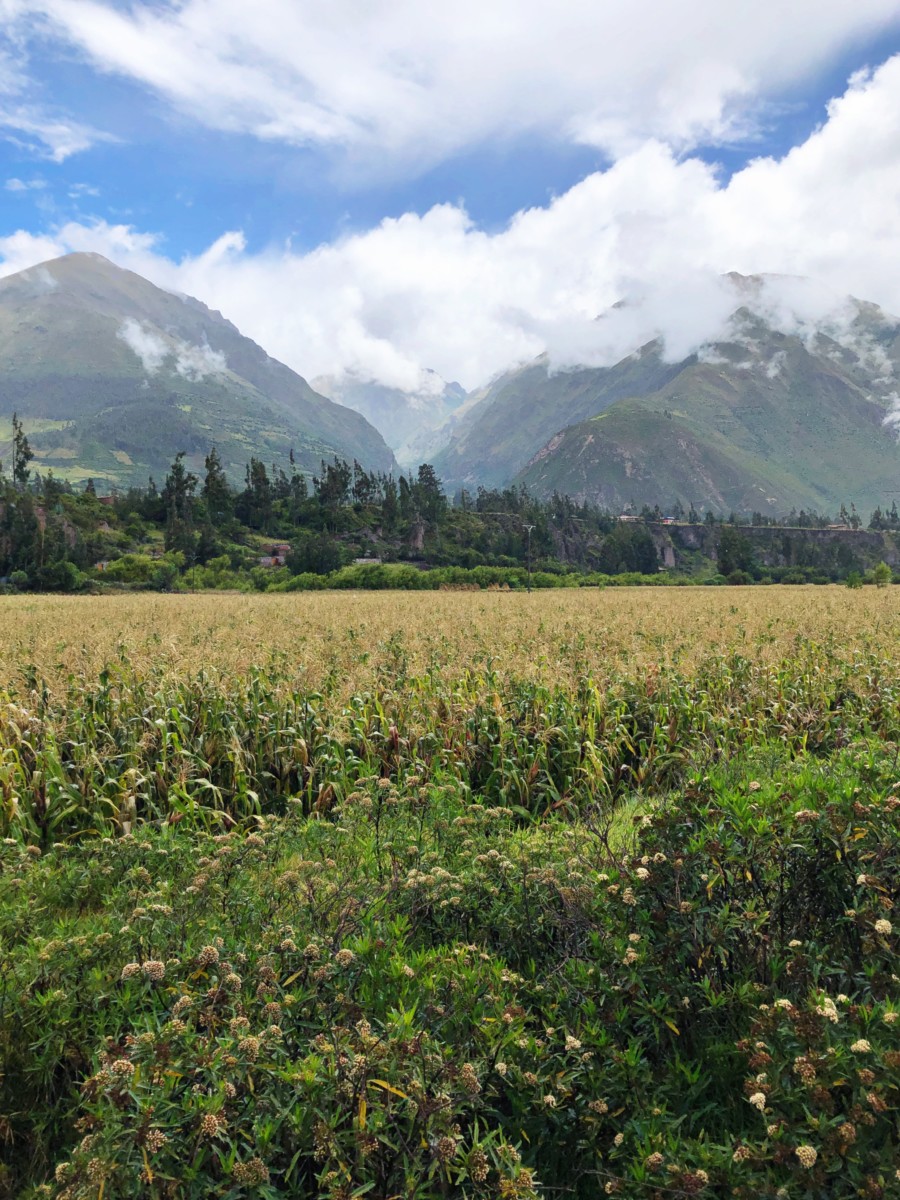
x: 316, y: 553
x: 254, y: 504
x: 299, y: 492
x: 405, y: 498
x: 735, y: 553
x: 390, y: 508
x: 22, y: 453
x: 207, y: 545
x: 428, y: 493
x: 20, y: 535
x: 628, y: 548
x: 216, y: 492
x: 332, y: 487
x: 364, y: 489
x: 178, y: 497
x: 882, y: 575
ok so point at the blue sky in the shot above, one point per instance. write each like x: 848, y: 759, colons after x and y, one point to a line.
x: 303, y: 126
x: 173, y: 174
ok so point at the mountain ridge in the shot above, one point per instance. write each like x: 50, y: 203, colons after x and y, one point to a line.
x: 747, y: 422
x: 407, y: 420
x: 112, y: 376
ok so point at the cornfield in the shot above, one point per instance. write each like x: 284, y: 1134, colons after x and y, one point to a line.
x: 480, y: 896
x: 120, y: 711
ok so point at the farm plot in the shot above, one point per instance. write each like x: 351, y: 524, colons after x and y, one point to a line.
x: 450, y: 895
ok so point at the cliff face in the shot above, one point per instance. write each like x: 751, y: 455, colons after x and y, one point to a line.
x: 774, y: 546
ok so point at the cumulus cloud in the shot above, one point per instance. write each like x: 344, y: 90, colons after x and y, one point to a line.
x: 655, y: 230
x: 401, y: 84
x: 124, y: 245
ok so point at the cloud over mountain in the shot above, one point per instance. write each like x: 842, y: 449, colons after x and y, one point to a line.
x: 655, y: 229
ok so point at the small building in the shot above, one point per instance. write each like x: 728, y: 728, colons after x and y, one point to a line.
x: 277, y: 554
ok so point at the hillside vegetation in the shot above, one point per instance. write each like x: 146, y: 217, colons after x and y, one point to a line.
x: 113, y: 376
x: 359, y: 529
x: 760, y: 419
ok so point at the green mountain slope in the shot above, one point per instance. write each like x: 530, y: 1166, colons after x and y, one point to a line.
x: 765, y: 420
x: 767, y: 427
x: 519, y: 411
x: 112, y: 376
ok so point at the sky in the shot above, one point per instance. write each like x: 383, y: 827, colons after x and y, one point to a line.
x: 377, y: 187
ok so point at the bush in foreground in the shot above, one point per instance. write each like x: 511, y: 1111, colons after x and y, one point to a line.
x: 416, y: 994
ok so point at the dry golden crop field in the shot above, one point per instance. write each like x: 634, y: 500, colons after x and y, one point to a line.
x: 548, y: 634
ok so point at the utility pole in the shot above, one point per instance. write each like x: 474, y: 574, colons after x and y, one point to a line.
x: 512, y: 516
x: 529, y: 528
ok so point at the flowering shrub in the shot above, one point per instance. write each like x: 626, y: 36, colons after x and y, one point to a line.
x: 415, y: 985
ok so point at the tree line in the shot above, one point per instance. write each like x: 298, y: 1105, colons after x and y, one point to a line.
x: 53, y: 535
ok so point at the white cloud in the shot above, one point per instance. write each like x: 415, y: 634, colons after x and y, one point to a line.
x: 39, y: 281
x: 654, y: 229
x: 78, y: 191
x: 151, y: 349
x: 124, y: 245
x: 25, y: 185
x: 191, y: 362
x: 51, y: 137
x: 404, y: 83
x: 42, y: 131
x: 196, y: 362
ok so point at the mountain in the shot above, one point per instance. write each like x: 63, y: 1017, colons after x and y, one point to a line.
x: 761, y: 420
x: 112, y: 376
x: 406, y: 420
x: 519, y: 412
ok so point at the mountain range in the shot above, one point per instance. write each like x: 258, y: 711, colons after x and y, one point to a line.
x: 113, y: 376
x: 408, y: 420
x: 757, y: 420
